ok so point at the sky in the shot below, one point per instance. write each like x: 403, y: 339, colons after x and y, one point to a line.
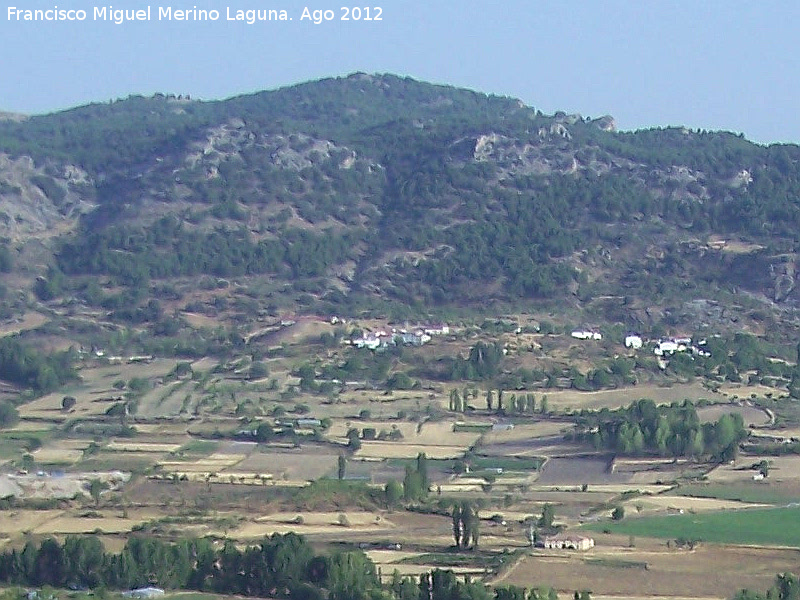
x: 705, y: 64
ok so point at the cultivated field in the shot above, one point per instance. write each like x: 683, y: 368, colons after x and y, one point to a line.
x: 197, y: 470
x: 567, y: 400
x: 751, y: 415
x: 754, y: 526
x: 652, y: 570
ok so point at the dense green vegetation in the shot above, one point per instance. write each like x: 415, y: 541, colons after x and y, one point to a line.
x: 281, y: 566
x: 166, y: 249
x: 28, y: 368
x: 381, y: 166
x: 773, y: 526
x: 285, y: 566
x: 674, y: 430
x: 756, y: 492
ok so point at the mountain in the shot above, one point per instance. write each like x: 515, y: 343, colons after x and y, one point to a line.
x: 382, y: 194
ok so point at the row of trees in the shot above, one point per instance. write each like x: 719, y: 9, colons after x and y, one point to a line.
x: 674, y: 430
x: 466, y: 525
x: 521, y: 404
x: 282, y: 566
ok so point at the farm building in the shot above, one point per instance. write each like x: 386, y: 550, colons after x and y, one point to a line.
x: 567, y: 542
x: 633, y: 341
x: 586, y: 335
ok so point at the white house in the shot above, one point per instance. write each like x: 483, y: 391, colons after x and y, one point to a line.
x: 633, y: 341
x: 567, y: 542
x: 583, y: 334
x: 666, y: 347
x: 370, y: 342
x: 437, y: 329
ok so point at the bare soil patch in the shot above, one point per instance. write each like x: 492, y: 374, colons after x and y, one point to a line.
x: 30, y: 320
x: 579, y: 470
x: 63, y: 486
x: 55, y: 455
x: 782, y: 468
x: 16, y: 522
x: 671, y: 504
x: 707, y: 571
x: 527, y: 431
x: 752, y: 415
x: 158, y: 448
x: 299, y: 465
x: 575, y: 400
x: 402, y: 450
x: 73, y: 525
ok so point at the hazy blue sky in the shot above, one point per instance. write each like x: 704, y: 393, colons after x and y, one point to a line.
x: 711, y: 64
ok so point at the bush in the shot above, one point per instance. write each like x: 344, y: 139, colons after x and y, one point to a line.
x: 9, y: 416
x: 258, y: 370
x: 182, y: 369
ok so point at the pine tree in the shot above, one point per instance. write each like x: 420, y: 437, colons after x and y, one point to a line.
x: 422, y: 470
x: 457, y: 525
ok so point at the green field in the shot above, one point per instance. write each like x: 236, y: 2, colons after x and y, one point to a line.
x: 15, y: 443
x: 757, y: 492
x: 769, y: 527
x: 472, y: 427
x: 195, y: 448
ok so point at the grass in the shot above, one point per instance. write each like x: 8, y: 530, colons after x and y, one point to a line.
x: 198, y: 447
x: 768, y: 527
x: 332, y: 494
x: 758, y: 493
x: 617, y: 563
x: 14, y: 443
x: 472, y: 427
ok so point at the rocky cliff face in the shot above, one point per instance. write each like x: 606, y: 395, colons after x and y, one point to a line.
x: 35, y: 200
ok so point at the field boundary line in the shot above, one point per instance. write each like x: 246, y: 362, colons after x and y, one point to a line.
x: 505, y: 572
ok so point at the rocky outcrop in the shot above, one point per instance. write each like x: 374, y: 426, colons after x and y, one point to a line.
x: 605, y: 123
x: 39, y: 200
x: 295, y: 152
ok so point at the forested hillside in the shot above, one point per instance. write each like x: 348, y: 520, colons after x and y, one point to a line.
x: 381, y: 192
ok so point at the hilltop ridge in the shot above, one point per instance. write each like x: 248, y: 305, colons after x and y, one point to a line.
x: 382, y: 193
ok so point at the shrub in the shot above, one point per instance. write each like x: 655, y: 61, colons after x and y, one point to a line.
x: 9, y: 416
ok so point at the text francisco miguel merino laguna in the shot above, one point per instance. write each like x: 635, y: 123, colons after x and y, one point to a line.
x: 161, y: 13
